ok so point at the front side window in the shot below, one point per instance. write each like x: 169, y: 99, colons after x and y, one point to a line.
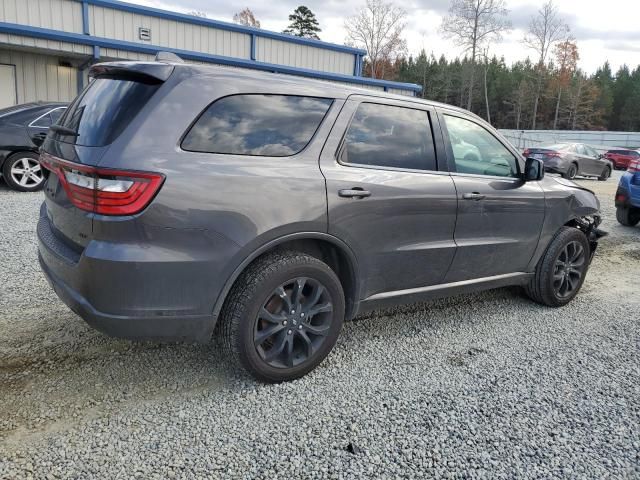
x: 389, y: 136
x: 477, y: 151
x: 264, y: 125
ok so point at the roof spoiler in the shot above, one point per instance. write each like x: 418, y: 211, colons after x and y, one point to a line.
x: 168, y: 57
x: 143, y: 71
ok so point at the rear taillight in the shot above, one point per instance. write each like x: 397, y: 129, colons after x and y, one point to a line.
x: 102, y: 190
x: 552, y: 154
x: 634, y: 166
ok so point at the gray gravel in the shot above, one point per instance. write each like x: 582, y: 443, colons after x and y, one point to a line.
x: 486, y: 385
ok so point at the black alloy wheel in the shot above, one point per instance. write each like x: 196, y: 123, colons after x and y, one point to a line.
x: 283, y: 316
x: 569, y: 269
x: 293, y: 323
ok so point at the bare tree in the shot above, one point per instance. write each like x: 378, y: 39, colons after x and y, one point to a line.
x: 473, y: 24
x: 545, y: 30
x: 246, y: 18
x: 378, y: 28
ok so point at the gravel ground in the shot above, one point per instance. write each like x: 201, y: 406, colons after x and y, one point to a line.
x: 485, y: 385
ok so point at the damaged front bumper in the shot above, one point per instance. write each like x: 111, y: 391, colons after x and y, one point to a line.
x: 589, y: 226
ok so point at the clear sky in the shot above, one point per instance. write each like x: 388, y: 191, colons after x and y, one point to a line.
x: 604, y: 29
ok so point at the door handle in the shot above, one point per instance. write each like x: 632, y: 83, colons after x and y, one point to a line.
x: 354, y: 193
x: 473, y: 196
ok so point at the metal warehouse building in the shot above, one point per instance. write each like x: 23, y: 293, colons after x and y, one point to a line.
x: 46, y: 47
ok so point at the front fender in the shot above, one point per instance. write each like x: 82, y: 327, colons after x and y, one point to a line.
x: 566, y: 203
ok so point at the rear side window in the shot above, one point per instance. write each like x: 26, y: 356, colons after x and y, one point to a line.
x: 389, y: 136
x: 265, y: 125
x: 48, y: 119
x: 104, y: 109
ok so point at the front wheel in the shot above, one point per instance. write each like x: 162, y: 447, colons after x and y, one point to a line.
x: 606, y: 173
x: 283, y: 316
x: 628, y: 216
x: 562, y: 269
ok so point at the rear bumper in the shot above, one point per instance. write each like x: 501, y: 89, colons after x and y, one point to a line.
x: 196, y: 328
x: 136, y: 291
x: 628, y: 192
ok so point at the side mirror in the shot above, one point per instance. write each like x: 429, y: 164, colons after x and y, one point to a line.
x: 533, y: 170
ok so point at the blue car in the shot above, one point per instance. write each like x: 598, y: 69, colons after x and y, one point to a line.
x: 628, y: 196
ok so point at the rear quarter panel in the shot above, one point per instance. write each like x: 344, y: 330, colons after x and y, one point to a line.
x: 216, y: 209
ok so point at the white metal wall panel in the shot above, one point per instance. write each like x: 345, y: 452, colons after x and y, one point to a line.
x: 112, y: 54
x: 65, y: 15
x: 39, y: 77
x: 50, y: 45
x: 270, y: 50
x: 119, y: 25
x: 8, y: 91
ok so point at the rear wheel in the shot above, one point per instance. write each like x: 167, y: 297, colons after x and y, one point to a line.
x: 571, y: 172
x: 606, y: 173
x: 283, y: 316
x: 628, y: 216
x: 562, y: 269
x: 23, y: 172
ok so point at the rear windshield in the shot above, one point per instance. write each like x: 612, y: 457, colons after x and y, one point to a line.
x: 16, y: 108
x: 104, y: 109
x: 266, y: 125
x: 558, y: 146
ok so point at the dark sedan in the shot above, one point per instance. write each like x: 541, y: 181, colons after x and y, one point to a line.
x: 22, y: 131
x: 571, y: 160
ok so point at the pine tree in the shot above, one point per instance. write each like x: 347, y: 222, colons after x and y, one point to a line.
x: 303, y: 23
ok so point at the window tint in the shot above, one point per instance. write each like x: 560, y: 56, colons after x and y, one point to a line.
x: 388, y: 136
x: 104, y: 109
x: 477, y: 151
x: 580, y: 149
x: 269, y: 125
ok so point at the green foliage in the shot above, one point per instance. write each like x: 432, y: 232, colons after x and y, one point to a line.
x: 303, y: 23
x: 602, y: 101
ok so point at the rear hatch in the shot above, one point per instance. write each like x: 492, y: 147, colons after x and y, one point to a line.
x: 79, y: 187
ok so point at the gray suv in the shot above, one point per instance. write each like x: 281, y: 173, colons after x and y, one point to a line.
x: 188, y: 199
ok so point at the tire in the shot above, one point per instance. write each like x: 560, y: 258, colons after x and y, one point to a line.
x: 546, y: 286
x: 22, y: 172
x: 605, y: 174
x: 257, y: 305
x: 628, y: 216
x: 571, y: 172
